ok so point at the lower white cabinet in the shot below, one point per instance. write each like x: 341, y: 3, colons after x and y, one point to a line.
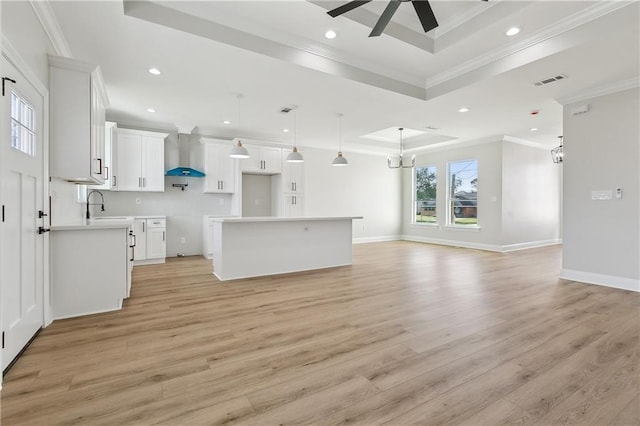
x: 207, y: 237
x: 292, y: 205
x: 90, y: 269
x: 151, y: 240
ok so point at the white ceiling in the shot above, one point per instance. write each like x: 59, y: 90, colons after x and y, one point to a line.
x: 275, y: 54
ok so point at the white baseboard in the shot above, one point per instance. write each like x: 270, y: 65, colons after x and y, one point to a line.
x: 532, y: 244
x: 481, y: 246
x: 622, y: 283
x: 363, y: 240
x: 453, y: 243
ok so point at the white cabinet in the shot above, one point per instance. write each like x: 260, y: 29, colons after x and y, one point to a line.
x: 207, y: 236
x: 264, y: 160
x: 109, y: 149
x: 139, y: 164
x: 220, y: 169
x: 288, y: 190
x: 77, y: 108
x: 292, y: 177
x: 156, y: 239
x: 292, y: 205
x: 89, y: 269
x: 151, y: 240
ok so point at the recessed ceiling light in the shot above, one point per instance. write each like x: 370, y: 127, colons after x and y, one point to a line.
x: 463, y: 109
x: 533, y: 129
x: 512, y: 31
x: 154, y: 71
x: 151, y: 110
x: 285, y: 130
x: 226, y: 122
x: 330, y: 34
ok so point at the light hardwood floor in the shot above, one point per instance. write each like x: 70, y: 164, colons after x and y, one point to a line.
x: 410, y: 334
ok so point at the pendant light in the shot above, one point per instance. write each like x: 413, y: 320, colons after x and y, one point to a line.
x: 401, y: 164
x: 339, y: 160
x: 239, y: 151
x: 557, y: 153
x: 294, y: 156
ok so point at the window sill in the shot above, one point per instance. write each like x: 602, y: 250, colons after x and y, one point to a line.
x: 426, y: 224
x: 473, y: 228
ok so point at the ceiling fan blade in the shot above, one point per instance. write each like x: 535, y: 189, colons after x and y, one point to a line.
x: 347, y: 7
x: 425, y: 14
x: 385, y: 18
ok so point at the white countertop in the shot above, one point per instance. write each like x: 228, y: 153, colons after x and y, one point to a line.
x: 281, y: 219
x: 92, y: 226
x: 103, y: 222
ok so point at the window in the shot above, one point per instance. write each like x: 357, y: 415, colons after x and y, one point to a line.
x: 425, y: 180
x: 462, y: 194
x: 23, y: 125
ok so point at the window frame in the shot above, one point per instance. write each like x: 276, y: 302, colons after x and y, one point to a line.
x: 23, y: 117
x: 414, y: 200
x: 448, y: 222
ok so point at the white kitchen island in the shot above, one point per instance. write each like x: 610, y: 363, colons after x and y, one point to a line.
x: 245, y: 247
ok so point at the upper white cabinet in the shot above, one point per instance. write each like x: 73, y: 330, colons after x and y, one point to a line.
x: 139, y: 164
x: 77, y: 108
x: 264, y: 160
x: 220, y: 169
x: 109, y: 149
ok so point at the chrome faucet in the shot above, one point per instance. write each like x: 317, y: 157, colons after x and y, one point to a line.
x: 95, y: 204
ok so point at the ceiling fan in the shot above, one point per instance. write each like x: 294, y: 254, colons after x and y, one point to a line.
x: 422, y: 7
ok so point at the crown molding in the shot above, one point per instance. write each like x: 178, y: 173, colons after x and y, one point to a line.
x: 607, y: 89
x: 463, y: 18
x: 564, y: 25
x: 51, y: 27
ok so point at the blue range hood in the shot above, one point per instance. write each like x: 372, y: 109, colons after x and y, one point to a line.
x: 184, y: 172
x: 183, y: 159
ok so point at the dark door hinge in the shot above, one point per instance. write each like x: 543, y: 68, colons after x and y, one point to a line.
x: 4, y: 79
x: 3, y: 340
x: 3, y: 212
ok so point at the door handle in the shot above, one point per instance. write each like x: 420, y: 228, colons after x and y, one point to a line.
x: 144, y: 182
x: 99, y: 172
x: 41, y: 214
x: 42, y: 230
x: 106, y: 173
x: 163, y: 232
x: 139, y: 182
x: 114, y: 181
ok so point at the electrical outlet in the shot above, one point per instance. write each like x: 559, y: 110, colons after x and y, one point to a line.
x: 183, y: 240
x: 221, y: 201
x: 138, y: 201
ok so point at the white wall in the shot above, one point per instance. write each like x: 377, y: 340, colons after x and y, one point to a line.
x: 530, y: 196
x: 20, y: 25
x: 366, y: 187
x: 489, y: 156
x: 601, y: 238
x: 256, y: 195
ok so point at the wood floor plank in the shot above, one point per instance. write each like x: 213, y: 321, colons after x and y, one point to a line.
x: 409, y: 333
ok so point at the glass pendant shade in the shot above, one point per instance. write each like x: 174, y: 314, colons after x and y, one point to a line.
x: 239, y: 151
x: 339, y: 160
x: 294, y: 156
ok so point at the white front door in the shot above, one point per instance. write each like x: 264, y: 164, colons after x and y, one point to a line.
x: 21, y: 188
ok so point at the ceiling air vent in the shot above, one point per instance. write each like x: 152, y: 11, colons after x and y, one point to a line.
x: 550, y: 80
x: 285, y: 110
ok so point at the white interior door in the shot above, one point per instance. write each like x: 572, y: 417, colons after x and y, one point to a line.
x: 21, y: 186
